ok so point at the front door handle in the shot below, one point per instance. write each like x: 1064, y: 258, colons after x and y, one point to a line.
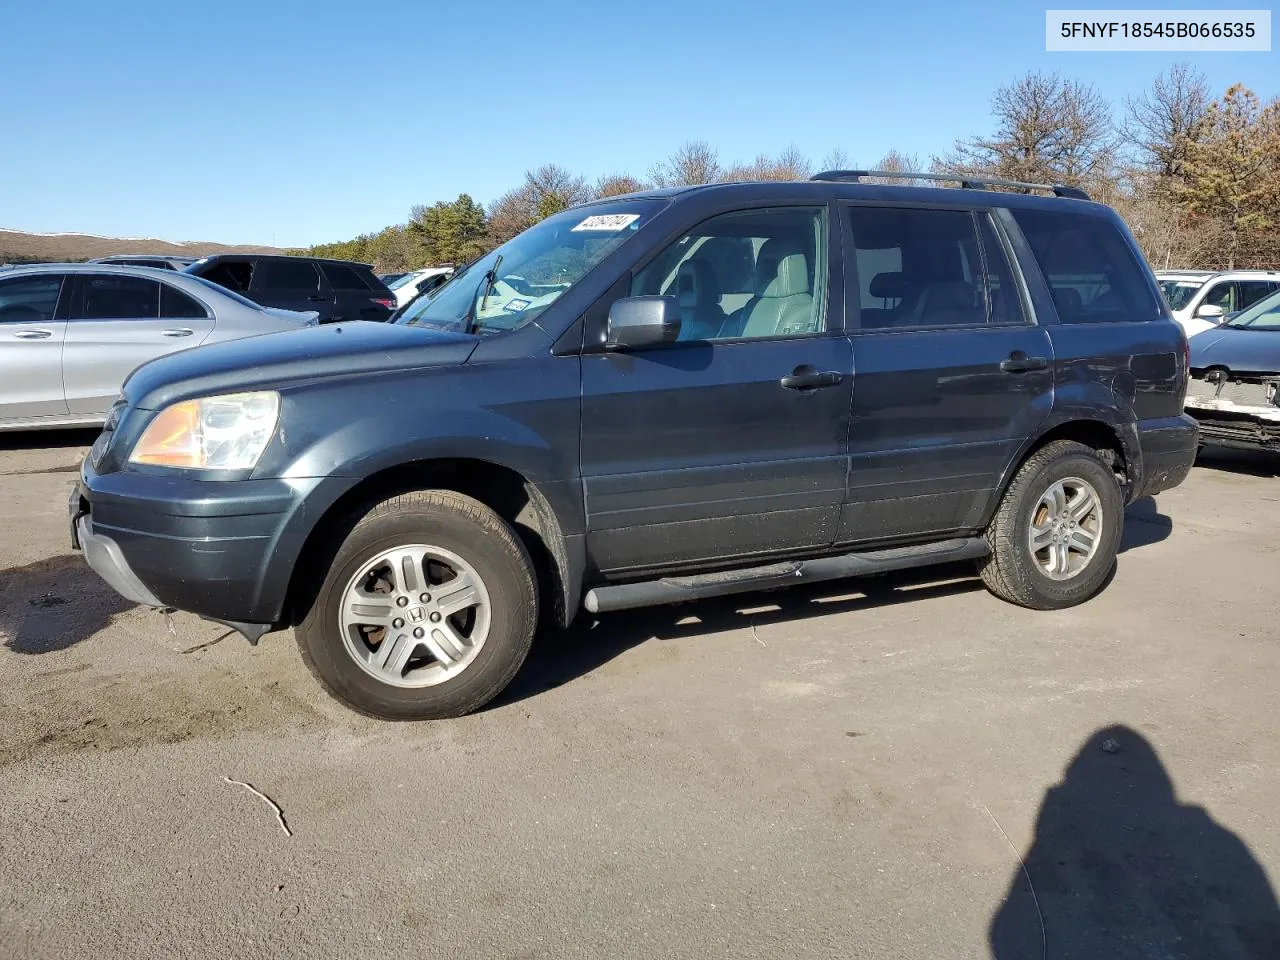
x: 806, y: 378
x: 1019, y: 362
x: 180, y: 332
x: 33, y: 334
x: 317, y: 299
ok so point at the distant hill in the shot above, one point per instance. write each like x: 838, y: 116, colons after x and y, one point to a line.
x: 16, y: 246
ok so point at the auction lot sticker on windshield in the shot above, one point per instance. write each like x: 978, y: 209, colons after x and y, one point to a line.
x: 608, y: 222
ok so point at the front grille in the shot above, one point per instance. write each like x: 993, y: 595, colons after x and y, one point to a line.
x: 1257, y: 394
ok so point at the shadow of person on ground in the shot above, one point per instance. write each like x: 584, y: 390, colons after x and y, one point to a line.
x: 558, y: 657
x: 1144, y: 525
x: 1121, y: 870
x: 54, y: 604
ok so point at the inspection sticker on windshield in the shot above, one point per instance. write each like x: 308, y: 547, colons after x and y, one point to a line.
x: 608, y: 222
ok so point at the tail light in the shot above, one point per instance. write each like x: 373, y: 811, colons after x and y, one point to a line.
x: 387, y: 302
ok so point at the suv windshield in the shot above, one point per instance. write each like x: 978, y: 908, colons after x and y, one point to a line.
x: 1263, y: 315
x: 531, y: 271
x: 1179, y: 292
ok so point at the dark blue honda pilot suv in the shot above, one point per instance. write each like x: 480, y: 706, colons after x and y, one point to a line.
x: 654, y: 398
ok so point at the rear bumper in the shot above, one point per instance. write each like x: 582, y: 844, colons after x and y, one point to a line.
x: 224, y: 550
x: 1168, y: 448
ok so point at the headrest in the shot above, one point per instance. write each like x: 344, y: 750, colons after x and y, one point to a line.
x: 696, y: 284
x: 888, y: 286
x: 782, y: 270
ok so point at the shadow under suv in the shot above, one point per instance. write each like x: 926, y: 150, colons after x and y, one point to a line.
x: 655, y: 398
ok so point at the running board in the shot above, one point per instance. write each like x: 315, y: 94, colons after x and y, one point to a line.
x: 649, y: 593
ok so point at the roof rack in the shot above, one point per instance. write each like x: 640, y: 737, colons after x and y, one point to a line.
x: 966, y: 182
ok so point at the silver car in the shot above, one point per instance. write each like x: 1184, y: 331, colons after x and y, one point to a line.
x: 71, y: 333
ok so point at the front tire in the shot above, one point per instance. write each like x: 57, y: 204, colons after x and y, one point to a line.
x: 1056, y: 533
x: 427, y: 611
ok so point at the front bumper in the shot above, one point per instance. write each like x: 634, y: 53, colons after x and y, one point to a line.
x: 1232, y: 424
x: 224, y: 550
x: 104, y: 557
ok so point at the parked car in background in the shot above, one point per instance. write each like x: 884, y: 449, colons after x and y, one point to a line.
x: 159, y: 261
x: 390, y: 278
x: 1201, y: 299
x: 338, y: 290
x: 71, y: 333
x: 1235, y: 387
x: 652, y: 399
x: 414, y: 284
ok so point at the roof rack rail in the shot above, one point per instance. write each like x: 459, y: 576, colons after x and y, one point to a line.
x: 966, y: 182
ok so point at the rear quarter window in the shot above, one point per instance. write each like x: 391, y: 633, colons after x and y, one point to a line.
x: 1091, y: 270
x: 342, y: 278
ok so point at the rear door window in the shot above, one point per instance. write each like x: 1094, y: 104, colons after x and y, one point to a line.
x: 1091, y: 271
x: 29, y: 299
x: 115, y: 298
x: 275, y: 275
x: 928, y: 268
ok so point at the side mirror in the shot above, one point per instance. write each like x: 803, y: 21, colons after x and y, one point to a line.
x: 642, y: 322
x: 1209, y: 311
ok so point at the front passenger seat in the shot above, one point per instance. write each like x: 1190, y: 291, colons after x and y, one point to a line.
x: 782, y: 303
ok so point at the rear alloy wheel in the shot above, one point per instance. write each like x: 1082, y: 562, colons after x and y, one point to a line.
x: 427, y: 611
x: 1056, y: 533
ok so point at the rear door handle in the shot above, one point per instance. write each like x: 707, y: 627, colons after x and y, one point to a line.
x: 33, y: 334
x: 803, y: 378
x: 181, y: 332
x: 317, y: 299
x: 1019, y: 362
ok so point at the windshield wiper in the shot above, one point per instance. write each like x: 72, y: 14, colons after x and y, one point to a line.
x: 486, y: 281
x: 489, y: 277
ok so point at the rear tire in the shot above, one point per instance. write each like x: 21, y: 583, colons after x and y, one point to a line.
x: 1056, y: 533
x: 427, y: 611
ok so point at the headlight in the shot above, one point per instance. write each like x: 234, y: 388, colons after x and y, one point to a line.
x: 211, y: 433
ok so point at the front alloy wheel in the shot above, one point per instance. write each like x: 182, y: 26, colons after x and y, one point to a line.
x: 426, y: 611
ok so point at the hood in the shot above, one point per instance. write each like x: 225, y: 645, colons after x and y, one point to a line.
x: 307, y: 318
x: 275, y: 359
x: 1239, y: 349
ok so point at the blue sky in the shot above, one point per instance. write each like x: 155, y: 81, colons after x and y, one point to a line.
x: 294, y: 123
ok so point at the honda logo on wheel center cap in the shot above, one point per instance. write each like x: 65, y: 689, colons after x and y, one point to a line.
x: 417, y: 615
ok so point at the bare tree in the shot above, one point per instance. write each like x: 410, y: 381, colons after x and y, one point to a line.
x: 1163, y: 123
x: 791, y: 164
x: 1047, y: 129
x: 694, y: 163
x: 617, y: 184
x: 552, y: 188
x: 836, y: 159
x: 897, y: 162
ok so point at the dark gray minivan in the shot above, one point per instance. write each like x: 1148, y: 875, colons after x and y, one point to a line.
x: 655, y: 398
